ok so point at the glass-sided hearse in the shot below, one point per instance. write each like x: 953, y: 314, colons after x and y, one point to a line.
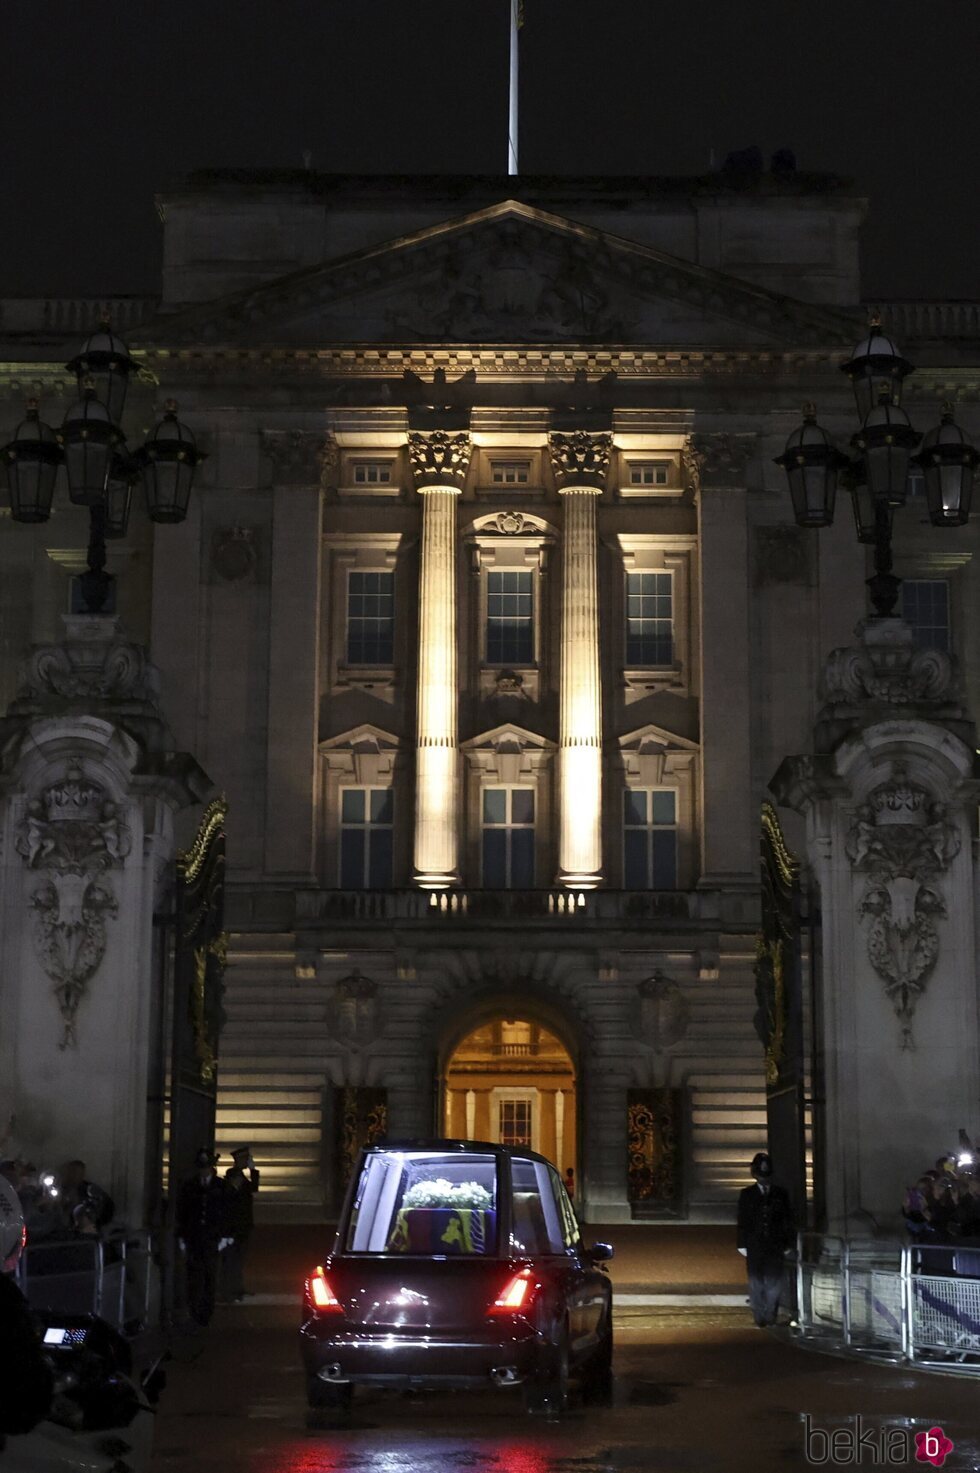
x: 458, y: 1264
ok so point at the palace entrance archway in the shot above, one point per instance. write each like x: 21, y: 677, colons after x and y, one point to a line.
x: 511, y: 1079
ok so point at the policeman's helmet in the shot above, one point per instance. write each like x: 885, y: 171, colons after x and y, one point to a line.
x: 13, y: 1235
x: 205, y: 1158
x: 761, y: 1165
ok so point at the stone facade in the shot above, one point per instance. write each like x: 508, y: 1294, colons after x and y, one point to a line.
x: 490, y: 509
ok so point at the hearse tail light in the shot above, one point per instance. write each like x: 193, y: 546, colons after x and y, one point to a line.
x: 319, y: 1295
x: 516, y: 1294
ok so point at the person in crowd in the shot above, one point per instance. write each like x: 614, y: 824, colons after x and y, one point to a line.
x: 242, y: 1177
x: 204, y: 1212
x: 26, y: 1385
x: 917, y: 1210
x: 570, y: 1183
x: 968, y: 1216
x: 84, y: 1203
x: 765, y: 1231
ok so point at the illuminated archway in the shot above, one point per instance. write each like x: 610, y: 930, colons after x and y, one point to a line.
x: 512, y: 1079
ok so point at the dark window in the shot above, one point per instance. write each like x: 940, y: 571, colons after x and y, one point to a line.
x: 510, y: 618
x: 370, y: 618
x: 508, y: 838
x: 649, y: 619
x: 366, y: 816
x: 650, y: 839
x: 925, y: 605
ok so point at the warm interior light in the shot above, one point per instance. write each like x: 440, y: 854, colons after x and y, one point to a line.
x: 319, y: 1292
x: 516, y: 1294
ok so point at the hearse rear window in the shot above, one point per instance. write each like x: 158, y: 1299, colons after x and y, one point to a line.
x: 426, y: 1203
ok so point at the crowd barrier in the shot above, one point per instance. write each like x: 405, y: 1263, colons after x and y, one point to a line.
x: 113, y: 1277
x: 891, y: 1301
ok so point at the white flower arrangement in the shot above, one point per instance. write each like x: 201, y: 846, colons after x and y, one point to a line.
x: 443, y: 1193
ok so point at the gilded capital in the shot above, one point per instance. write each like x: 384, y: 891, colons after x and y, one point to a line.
x: 439, y: 458
x: 580, y: 458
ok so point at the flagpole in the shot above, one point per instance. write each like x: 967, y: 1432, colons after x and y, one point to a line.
x: 515, y: 23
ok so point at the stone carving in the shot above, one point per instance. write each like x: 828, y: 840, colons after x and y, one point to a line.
x: 509, y: 683
x: 112, y: 671
x: 580, y: 457
x: 902, y: 840
x: 662, y: 1014
x: 234, y: 555
x: 895, y: 673
x: 439, y: 457
x: 70, y: 837
x: 298, y: 456
x: 510, y: 523
x: 357, y: 1013
x: 717, y: 459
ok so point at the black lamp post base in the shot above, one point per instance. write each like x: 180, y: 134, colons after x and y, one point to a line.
x: 95, y: 585
x: 884, y: 588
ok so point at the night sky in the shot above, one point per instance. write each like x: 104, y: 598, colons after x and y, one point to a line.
x: 104, y: 102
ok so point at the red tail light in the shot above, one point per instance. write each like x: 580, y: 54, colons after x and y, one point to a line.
x: 319, y: 1296
x: 516, y: 1294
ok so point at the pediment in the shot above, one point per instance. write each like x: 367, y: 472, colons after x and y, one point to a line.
x: 650, y: 737
x: 508, y: 737
x: 509, y: 273
x: 650, y: 755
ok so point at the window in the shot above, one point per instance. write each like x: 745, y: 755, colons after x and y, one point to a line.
x: 510, y: 618
x: 536, y: 1221
x: 508, y: 838
x: 925, y: 605
x: 650, y: 839
x: 370, y: 618
x: 649, y: 472
x: 425, y: 1203
x: 372, y: 472
x: 365, y: 838
x: 649, y: 619
x: 515, y: 1121
x: 510, y: 472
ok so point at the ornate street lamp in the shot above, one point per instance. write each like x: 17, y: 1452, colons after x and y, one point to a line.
x: 877, y: 476
x: 99, y: 470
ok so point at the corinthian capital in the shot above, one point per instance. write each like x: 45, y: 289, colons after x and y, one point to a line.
x: 298, y: 456
x: 439, y: 458
x: 718, y: 459
x: 580, y: 458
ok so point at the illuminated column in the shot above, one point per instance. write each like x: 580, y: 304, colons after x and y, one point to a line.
x: 439, y: 462
x: 580, y: 460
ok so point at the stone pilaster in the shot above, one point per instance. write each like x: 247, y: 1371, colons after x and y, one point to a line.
x: 439, y: 463
x: 580, y: 461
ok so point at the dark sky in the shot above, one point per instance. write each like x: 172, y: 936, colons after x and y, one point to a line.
x: 104, y: 101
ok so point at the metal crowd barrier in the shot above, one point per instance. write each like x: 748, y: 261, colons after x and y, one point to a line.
x: 113, y: 1277
x: 891, y: 1301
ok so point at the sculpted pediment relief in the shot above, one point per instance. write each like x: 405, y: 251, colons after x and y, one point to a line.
x: 510, y: 273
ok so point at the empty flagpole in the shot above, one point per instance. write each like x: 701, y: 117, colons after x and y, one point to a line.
x: 516, y: 21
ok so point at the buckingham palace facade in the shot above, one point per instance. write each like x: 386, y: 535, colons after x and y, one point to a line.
x: 491, y: 620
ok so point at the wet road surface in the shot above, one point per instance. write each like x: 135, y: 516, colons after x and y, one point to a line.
x: 696, y: 1389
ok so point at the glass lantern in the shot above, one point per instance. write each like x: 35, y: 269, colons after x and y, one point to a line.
x: 105, y: 362
x: 812, y: 462
x: 876, y: 359
x: 885, y: 442
x: 31, y: 461
x: 119, y: 494
x: 166, y: 464
x: 90, y: 440
x: 947, y: 461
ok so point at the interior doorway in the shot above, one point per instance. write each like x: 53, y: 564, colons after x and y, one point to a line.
x: 512, y: 1080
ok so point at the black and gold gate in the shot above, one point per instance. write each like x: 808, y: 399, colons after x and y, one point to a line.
x: 353, y: 1116
x: 199, y: 955
x: 779, y: 1011
x: 653, y: 1169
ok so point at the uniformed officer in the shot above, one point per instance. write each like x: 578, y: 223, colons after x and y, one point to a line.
x: 765, y: 1231
x: 243, y: 1179
x: 203, y: 1230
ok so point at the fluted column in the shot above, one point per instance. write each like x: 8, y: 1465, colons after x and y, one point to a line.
x: 439, y: 462
x: 580, y: 461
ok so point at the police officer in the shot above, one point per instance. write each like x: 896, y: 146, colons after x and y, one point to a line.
x: 243, y: 1179
x: 765, y: 1231
x: 203, y: 1231
x: 25, y: 1379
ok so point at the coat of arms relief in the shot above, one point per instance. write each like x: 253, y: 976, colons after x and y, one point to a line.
x: 71, y: 837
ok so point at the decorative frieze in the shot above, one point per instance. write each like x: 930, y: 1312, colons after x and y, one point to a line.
x: 439, y: 458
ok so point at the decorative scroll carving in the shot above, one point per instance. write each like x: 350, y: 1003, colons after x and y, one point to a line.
x: 510, y: 523
x: 896, y: 674
x: 107, y: 672
x: 902, y: 840
x: 439, y: 457
x: 71, y: 836
x: 653, y: 1136
x: 580, y: 457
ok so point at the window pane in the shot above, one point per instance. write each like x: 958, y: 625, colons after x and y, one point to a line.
x: 925, y: 605
x: 379, y: 859
x: 635, y: 806
x: 635, y: 876
x: 352, y: 859
x: 495, y: 859
x: 381, y: 805
x: 510, y: 618
x: 664, y: 859
x: 370, y: 618
x: 352, y: 805
x: 663, y: 806
x: 494, y: 805
x: 521, y: 859
x: 536, y: 1223
x: 649, y: 619
x: 522, y: 805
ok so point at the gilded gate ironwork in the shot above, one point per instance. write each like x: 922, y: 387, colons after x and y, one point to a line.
x: 654, y: 1119
x: 200, y: 954
x: 354, y: 1116
x: 779, y: 1008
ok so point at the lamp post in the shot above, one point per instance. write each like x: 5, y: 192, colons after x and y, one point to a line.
x: 876, y: 474
x: 99, y: 469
